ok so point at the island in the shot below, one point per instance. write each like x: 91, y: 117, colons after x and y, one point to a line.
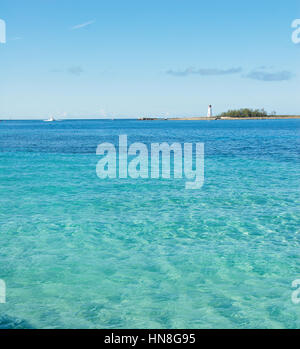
x: 236, y: 114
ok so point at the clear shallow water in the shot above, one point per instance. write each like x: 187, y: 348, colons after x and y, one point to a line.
x: 80, y: 252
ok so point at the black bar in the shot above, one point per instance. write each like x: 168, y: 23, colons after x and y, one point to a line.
x: 137, y: 338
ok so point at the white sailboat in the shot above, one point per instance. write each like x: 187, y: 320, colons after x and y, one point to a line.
x: 51, y: 119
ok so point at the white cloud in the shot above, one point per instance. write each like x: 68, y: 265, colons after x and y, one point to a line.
x: 204, y: 72
x: 82, y: 25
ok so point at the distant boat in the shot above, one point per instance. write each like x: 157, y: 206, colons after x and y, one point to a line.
x: 51, y: 119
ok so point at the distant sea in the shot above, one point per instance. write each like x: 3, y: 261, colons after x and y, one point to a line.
x: 80, y: 252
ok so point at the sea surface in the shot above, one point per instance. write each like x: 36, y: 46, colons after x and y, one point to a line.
x: 80, y: 252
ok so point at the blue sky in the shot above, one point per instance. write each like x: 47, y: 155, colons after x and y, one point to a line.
x: 119, y: 58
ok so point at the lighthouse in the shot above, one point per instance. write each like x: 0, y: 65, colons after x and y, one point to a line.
x: 209, y: 112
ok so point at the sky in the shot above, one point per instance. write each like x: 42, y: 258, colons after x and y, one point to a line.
x: 138, y: 58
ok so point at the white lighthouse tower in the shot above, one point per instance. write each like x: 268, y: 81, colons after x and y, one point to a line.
x: 209, y: 112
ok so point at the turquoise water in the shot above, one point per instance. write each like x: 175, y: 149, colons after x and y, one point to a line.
x: 80, y: 252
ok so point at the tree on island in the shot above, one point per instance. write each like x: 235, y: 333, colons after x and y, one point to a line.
x: 246, y: 113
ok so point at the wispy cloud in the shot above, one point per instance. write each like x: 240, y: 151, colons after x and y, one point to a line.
x: 16, y: 38
x: 262, y: 75
x: 76, y: 70
x: 82, y: 25
x: 55, y: 70
x: 204, y: 72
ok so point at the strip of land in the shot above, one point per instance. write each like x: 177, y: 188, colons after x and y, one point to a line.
x: 225, y: 118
